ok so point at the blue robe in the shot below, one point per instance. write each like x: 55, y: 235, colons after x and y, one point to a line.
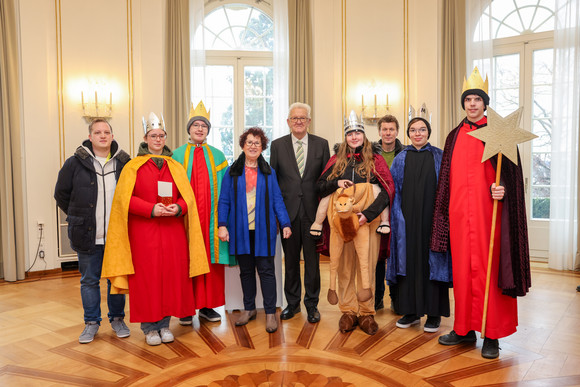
x: 439, y: 263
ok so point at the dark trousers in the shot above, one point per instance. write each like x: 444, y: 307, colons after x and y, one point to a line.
x: 301, y: 240
x: 266, y: 270
x: 380, y: 285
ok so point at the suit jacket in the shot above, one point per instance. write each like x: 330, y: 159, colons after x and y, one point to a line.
x: 296, y: 189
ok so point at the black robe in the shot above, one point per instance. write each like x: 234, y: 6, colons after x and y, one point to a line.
x: 417, y: 293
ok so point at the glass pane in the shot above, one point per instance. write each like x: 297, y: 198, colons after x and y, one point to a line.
x: 542, y: 103
x: 544, y: 20
x: 543, y: 129
x: 527, y: 15
x: 505, y: 96
x: 543, y: 65
x: 258, y: 107
x: 541, y: 203
x: 541, y: 169
x: 541, y: 126
x: 220, y: 102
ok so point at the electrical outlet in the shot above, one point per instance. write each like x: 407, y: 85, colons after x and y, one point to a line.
x: 40, y: 229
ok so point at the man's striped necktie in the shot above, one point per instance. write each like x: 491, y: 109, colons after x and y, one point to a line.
x: 300, y: 157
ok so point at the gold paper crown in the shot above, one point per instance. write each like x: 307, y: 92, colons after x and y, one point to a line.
x: 198, y: 111
x: 475, y: 81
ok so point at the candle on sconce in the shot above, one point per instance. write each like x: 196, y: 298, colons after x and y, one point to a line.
x: 82, y: 98
x: 96, y: 99
x: 111, y: 98
x: 387, y: 99
x: 362, y: 100
x: 375, y: 102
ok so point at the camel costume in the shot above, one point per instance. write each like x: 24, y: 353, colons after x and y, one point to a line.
x: 351, y: 265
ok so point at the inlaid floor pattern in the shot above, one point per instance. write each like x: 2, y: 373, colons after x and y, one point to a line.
x: 40, y: 321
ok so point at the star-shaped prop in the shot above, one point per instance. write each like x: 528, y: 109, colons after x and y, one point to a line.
x: 502, y: 135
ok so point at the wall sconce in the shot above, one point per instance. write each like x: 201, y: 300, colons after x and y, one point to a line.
x: 372, y: 114
x: 99, y: 108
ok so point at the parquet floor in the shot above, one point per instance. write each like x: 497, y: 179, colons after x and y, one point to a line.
x: 40, y: 322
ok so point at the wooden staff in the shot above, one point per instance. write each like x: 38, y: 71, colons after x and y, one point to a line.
x: 490, y: 256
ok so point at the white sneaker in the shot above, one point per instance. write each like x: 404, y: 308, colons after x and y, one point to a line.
x: 166, y: 335
x: 153, y: 338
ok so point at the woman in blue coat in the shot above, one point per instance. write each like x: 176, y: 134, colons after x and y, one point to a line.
x: 249, y: 205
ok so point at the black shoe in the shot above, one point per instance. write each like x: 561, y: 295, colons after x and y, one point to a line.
x: 578, y: 288
x: 453, y: 338
x: 407, y: 320
x: 313, y: 314
x: 432, y: 324
x: 289, y: 312
x: 490, y: 349
x: 210, y: 314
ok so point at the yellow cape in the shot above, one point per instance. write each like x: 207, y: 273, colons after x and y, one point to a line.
x: 118, y: 262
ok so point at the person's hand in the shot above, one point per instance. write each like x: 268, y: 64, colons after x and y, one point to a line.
x: 171, y: 210
x: 223, y: 234
x: 344, y: 183
x: 362, y: 220
x: 159, y: 210
x: 286, y: 232
x: 497, y: 193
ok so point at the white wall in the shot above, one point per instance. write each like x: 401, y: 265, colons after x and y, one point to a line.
x: 96, y: 46
x: 374, y: 48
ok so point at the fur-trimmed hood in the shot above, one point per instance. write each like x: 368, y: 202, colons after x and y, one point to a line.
x: 237, y: 167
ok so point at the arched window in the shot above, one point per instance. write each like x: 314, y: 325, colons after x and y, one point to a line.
x: 238, y: 27
x: 517, y: 17
x: 238, y: 41
x: 522, y: 68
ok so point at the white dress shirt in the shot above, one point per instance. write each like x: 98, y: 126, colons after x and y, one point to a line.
x: 304, y: 145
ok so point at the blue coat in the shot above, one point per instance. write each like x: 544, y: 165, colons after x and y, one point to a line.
x: 439, y: 263
x: 233, y: 211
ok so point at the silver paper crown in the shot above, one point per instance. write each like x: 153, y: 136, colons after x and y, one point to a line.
x: 352, y: 123
x: 422, y: 113
x: 153, y: 123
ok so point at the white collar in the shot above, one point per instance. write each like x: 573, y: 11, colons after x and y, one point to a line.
x: 304, y: 139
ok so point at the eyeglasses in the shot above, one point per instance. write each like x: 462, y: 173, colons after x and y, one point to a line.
x: 253, y: 143
x: 299, y: 119
x: 157, y: 136
x: 200, y: 126
x: 420, y: 130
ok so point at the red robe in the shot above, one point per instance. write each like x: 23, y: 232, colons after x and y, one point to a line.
x: 161, y: 285
x: 470, y: 213
x: 208, y: 289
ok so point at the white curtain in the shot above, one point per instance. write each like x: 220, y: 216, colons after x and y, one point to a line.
x: 281, y: 68
x: 479, y: 39
x: 566, y: 102
x: 197, y: 59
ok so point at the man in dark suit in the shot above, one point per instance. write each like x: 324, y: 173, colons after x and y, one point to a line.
x: 299, y: 159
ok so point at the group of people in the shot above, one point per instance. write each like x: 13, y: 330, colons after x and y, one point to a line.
x: 163, y: 226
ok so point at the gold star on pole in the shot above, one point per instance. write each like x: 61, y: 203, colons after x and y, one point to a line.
x: 502, y: 134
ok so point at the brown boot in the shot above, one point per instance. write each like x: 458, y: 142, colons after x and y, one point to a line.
x: 271, y: 323
x: 368, y: 324
x: 246, y: 316
x: 347, y: 322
